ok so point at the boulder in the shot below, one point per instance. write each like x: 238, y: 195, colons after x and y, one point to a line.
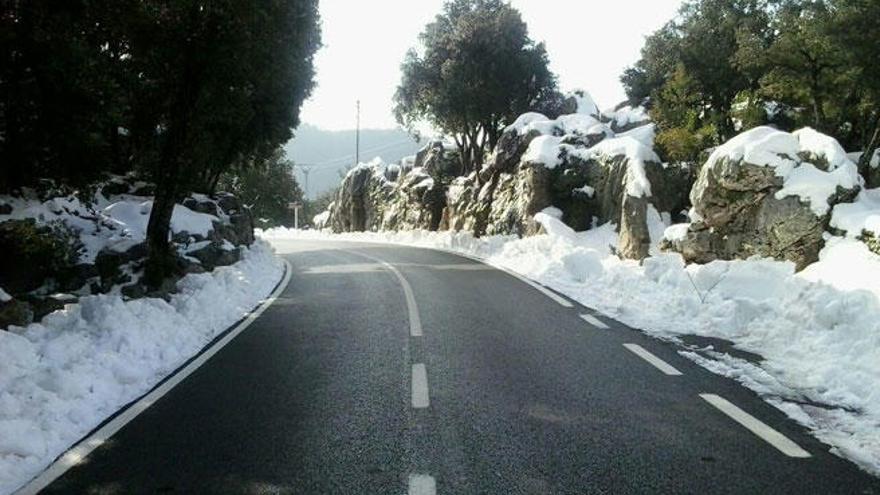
x: 216, y: 254
x: 15, y: 312
x: 202, y: 204
x: 767, y: 193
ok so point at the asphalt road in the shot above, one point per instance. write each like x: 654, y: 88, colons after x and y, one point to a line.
x: 324, y: 393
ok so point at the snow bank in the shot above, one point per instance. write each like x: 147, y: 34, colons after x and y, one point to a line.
x: 862, y: 215
x: 818, y: 330
x: 789, y: 154
x: 60, y: 378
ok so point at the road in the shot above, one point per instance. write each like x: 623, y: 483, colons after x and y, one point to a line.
x: 477, y: 384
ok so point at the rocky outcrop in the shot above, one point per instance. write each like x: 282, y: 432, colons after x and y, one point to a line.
x: 593, y: 167
x: 767, y: 193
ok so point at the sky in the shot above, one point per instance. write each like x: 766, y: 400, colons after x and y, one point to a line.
x: 589, y: 42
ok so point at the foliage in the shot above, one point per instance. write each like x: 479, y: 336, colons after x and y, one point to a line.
x: 33, y: 253
x: 722, y: 66
x: 182, y: 90
x: 267, y: 186
x: 477, y: 70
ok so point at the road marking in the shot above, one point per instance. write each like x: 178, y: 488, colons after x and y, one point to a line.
x: 420, y: 398
x: 654, y: 360
x: 596, y: 322
x: 535, y: 285
x: 756, y: 426
x: 422, y: 484
x: 415, y: 321
x: 81, y: 450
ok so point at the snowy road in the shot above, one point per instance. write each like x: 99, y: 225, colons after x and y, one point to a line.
x: 498, y: 389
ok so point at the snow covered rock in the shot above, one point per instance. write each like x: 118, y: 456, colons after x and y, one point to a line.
x: 594, y: 167
x: 59, y: 244
x: 768, y: 193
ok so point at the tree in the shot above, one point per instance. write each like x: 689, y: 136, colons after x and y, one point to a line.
x: 802, y: 66
x: 855, y: 28
x: 267, y: 186
x: 688, y: 73
x: 476, y: 72
x: 221, y: 83
x: 63, y: 109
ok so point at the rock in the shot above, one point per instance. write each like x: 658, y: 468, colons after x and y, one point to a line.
x: 15, y: 312
x: 42, y: 306
x: 115, y: 187
x: 134, y: 291
x: 228, y: 203
x: 202, y: 205
x: 144, y: 189
x: 437, y: 160
x: 214, y: 255
x: 737, y: 210
x: 5, y: 209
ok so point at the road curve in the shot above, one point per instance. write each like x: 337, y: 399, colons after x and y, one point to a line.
x: 502, y: 390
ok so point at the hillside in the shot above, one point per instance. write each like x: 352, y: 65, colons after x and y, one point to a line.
x: 331, y: 152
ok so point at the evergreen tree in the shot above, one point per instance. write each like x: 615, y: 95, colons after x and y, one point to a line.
x: 478, y: 71
x: 267, y: 186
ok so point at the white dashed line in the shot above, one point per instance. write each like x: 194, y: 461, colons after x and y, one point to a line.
x: 420, y: 398
x: 415, y: 321
x: 654, y: 360
x: 422, y: 484
x: 756, y: 426
x: 592, y: 320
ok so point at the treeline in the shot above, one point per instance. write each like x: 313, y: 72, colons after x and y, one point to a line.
x: 181, y: 91
x: 722, y: 66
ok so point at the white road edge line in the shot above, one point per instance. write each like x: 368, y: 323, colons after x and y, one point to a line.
x: 415, y: 321
x: 422, y: 484
x: 420, y: 398
x: 756, y: 426
x: 596, y: 322
x: 658, y: 363
x: 81, y: 450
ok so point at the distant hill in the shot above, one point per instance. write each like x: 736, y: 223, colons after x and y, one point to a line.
x: 332, y: 152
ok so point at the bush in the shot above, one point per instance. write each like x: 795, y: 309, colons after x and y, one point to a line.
x: 35, y: 253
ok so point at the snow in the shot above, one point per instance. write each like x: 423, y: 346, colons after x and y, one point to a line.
x: 320, y: 220
x: 4, y: 296
x: 544, y: 150
x: 133, y: 215
x: 818, y: 331
x: 862, y: 215
x: 784, y: 152
x: 585, y: 103
x: 585, y: 189
x: 118, y: 222
x: 636, y: 145
x: 62, y: 377
x: 637, y: 154
x: 676, y: 232
x: 815, y: 186
x: 523, y: 122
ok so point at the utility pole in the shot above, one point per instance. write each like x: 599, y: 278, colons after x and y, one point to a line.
x: 305, y: 169
x: 357, y: 142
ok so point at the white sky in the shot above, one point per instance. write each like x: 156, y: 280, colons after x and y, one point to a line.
x: 589, y: 43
